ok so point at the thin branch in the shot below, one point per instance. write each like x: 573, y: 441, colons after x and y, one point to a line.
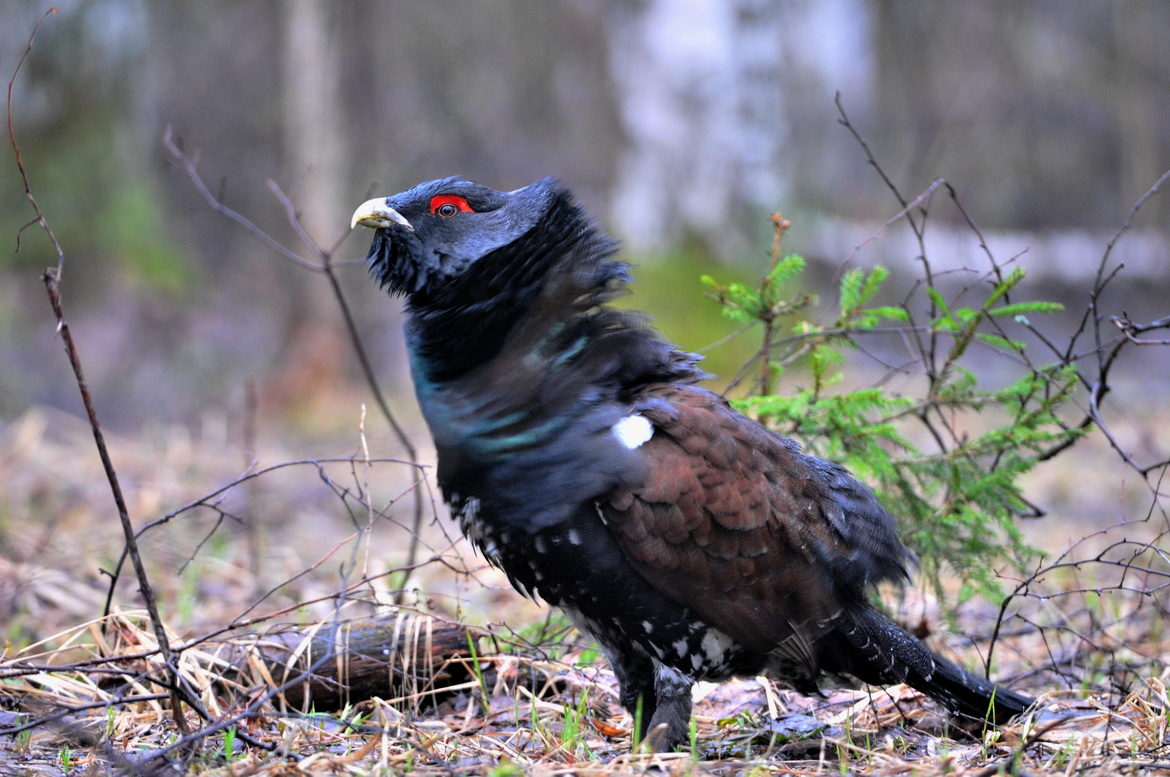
x: 902, y: 214
x: 1131, y: 330
x: 40, y: 217
x: 219, y: 493
x: 52, y: 280
x: 359, y: 349
x: 190, y: 166
x: 872, y: 160
x: 324, y: 264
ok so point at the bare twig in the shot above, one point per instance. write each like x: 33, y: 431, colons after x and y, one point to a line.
x: 210, y: 501
x: 872, y: 161
x: 324, y: 263
x: 327, y: 265
x: 39, y: 220
x: 1130, y: 330
x: 190, y: 167
x: 52, y: 279
x: 905, y: 213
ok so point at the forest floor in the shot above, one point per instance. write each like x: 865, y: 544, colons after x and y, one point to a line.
x: 312, y: 542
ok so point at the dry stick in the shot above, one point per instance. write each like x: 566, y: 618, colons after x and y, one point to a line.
x: 40, y: 218
x: 325, y: 265
x: 1062, y: 561
x: 109, y: 664
x: 215, y: 725
x: 190, y: 168
x: 206, y: 501
x: 329, y: 655
x: 326, y: 258
x: 1131, y: 330
x: 906, y: 213
x: 1102, y: 278
x: 52, y: 279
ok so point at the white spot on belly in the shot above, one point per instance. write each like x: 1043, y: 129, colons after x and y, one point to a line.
x: 574, y: 537
x: 715, y: 646
x: 648, y: 626
x: 681, y: 647
x: 632, y: 431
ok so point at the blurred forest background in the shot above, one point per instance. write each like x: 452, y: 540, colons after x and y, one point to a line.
x: 680, y: 123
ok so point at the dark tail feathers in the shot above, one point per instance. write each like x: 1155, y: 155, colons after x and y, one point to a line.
x: 875, y: 650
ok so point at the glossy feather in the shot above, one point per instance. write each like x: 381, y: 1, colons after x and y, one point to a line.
x: 580, y: 457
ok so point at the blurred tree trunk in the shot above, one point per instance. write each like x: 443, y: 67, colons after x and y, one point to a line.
x: 317, y: 354
x: 313, y: 117
x: 702, y: 107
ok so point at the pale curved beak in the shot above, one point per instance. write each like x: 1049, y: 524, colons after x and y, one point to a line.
x: 376, y: 214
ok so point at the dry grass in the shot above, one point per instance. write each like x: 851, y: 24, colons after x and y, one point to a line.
x: 1086, y: 637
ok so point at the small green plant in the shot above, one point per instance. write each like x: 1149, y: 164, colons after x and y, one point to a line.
x: 953, y: 482
x: 842, y: 760
x: 636, y: 731
x: 989, y: 740
x: 229, y: 745
x: 24, y: 742
x: 353, y: 718
x: 898, y: 743
x: 477, y: 670
x: 1061, y: 757
x: 505, y: 769
x: 66, y: 759
x: 573, y: 731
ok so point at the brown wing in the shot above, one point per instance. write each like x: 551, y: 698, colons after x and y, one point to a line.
x: 765, y: 543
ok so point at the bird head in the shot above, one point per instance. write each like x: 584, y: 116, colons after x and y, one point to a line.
x: 524, y: 272
x: 429, y: 237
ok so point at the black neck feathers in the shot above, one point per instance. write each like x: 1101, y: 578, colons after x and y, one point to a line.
x: 544, y: 296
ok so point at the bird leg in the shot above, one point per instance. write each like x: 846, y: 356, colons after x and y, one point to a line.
x: 671, y: 721
x: 635, y: 675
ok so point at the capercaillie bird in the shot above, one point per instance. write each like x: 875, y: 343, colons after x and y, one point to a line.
x: 578, y: 455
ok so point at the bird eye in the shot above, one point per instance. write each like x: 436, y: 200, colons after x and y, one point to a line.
x: 448, y: 205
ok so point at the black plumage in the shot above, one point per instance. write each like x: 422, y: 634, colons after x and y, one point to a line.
x: 580, y: 457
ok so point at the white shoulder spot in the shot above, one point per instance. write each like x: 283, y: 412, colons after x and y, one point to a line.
x: 632, y: 431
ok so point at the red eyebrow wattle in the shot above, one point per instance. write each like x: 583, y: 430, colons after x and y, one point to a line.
x: 449, y: 199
